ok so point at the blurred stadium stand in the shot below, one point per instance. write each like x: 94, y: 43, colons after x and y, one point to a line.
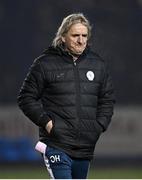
x: 17, y: 137
x: 17, y: 150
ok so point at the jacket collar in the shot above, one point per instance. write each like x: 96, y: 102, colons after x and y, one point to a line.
x: 60, y: 50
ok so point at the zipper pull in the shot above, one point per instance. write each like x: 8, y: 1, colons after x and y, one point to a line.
x: 74, y: 63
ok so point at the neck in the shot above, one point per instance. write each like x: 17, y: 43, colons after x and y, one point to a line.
x: 74, y: 56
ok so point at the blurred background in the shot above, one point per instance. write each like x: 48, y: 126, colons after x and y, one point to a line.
x: 26, y: 29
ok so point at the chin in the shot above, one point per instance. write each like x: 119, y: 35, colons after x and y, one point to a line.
x: 79, y: 52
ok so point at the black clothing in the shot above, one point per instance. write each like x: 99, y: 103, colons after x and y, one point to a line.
x: 77, y: 96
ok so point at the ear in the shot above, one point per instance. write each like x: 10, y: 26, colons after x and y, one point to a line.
x: 63, y: 39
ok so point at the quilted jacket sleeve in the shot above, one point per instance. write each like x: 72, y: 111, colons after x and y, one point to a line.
x: 106, y: 100
x: 30, y: 94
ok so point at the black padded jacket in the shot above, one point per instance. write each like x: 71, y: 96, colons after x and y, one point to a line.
x: 77, y: 96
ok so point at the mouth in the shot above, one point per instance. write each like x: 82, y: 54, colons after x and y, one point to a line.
x: 79, y: 46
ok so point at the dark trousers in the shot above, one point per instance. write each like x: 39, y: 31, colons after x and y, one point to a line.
x: 62, y: 166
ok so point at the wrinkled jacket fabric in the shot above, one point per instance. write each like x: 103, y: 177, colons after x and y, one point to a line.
x: 78, y: 97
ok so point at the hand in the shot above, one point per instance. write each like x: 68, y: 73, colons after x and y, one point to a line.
x: 49, y: 126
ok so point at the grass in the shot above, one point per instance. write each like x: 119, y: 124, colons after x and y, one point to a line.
x: 98, y: 173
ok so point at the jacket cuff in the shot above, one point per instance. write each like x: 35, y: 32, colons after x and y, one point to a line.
x: 103, y: 122
x: 44, y: 119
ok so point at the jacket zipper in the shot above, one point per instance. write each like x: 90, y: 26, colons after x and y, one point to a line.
x: 77, y: 87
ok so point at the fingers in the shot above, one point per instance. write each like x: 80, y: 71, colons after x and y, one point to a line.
x: 49, y: 126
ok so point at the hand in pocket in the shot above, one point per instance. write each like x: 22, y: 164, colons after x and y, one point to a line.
x: 49, y: 126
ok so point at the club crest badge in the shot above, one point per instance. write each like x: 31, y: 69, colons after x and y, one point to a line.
x: 90, y: 75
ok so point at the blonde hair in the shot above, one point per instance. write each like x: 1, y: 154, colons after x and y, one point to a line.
x: 67, y: 23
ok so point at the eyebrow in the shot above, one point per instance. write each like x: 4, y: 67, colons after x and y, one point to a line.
x: 78, y: 34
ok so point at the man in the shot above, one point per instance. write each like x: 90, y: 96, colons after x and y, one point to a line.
x: 68, y: 93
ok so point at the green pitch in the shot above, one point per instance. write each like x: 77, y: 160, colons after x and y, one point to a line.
x: 41, y: 173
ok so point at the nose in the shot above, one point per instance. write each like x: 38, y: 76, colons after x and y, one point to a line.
x: 80, y: 39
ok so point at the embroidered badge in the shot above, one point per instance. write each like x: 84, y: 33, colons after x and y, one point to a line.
x: 90, y: 75
x: 61, y: 75
x: 55, y: 158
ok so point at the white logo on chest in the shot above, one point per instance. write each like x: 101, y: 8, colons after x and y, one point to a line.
x: 90, y: 75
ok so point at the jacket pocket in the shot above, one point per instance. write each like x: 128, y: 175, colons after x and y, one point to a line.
x: 89, y: 138
x: 61, y: 132
x: 98, y: 127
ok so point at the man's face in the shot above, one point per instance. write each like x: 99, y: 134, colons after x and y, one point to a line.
x: 76, y: 38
